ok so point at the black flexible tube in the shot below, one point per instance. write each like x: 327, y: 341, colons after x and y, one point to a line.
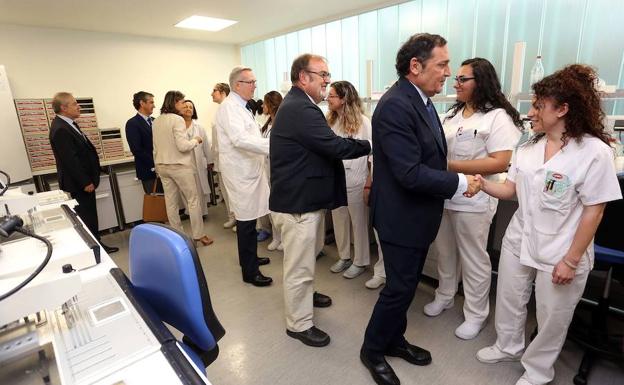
x: 39, y: 268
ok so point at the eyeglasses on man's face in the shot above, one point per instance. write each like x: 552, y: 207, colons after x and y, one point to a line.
x: 323, y: 74
x: 248, y: 81
x: 463, y: 79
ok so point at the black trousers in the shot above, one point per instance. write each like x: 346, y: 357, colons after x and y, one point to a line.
x: 388, y: 322
x: 247, y: 239
x: 87, y: 210
x: 148, y: 186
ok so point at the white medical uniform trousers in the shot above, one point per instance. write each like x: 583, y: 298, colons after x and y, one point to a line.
x: 379, y: 270
x: 461, y: 246
x: 555, y: 306
x: 355, y: 216
x: 300, y: 240
x: 226, y: 197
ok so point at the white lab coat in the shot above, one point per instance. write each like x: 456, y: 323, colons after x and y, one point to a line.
x: 201, y: 156
x: 242, y: 154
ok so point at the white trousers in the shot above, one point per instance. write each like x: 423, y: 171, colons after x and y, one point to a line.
x: 266, y: 223
x: 379, y: 270
x: 178, y: 180
x: 226, y: 198
x: 354, y: 216
x: 300, y: 233
x: 555, y: 306
x: 461, y: 247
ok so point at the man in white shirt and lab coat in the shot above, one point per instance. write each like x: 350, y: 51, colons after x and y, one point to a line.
x: 242, y: 153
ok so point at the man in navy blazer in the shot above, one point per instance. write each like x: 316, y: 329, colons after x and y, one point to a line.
x: 77, y: 161
x: 409, y: 186
x: 307, y: 178
x: 139, y: 136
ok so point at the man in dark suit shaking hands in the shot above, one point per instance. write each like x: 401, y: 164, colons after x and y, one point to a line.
x: 139, y: 136
x: 407, y: 196
x: 77, y: 162
x: 307, y: 178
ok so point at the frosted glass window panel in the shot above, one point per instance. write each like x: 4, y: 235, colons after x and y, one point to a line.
x: 333, y: 33
x: 603, y: 24
x: 305, y: 41
x: 490, y: 31
x: 388, y: 30
x: 367, y: 27
x: 434, y: 17
x: 350, y: 52
x: 409, y: 20
x: 292, y: 47
x: 524, y: 25
x: 319, y: 44
x: 461, y: 19
x: 247, y: 55
x: 282, y: 64
x: 271, y: 74
x: 562, y: 33
x: 260, y: 68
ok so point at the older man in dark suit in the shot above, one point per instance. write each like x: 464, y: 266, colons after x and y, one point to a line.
x: 307, y: 178
x: 407, y: 195
x: 139, y: 136
x: 77, y: 162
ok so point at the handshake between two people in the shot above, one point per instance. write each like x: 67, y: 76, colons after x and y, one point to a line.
x: 475, y: 184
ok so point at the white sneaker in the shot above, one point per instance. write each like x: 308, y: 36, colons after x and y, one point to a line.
x: 340, y: 266
x: 524, y: 381
x: 492, y: 355
x: 230, y: 223
x: 280, y: 247
x: 469, y: 330
x: 274, y: 245
x: 375, y: 282
x: 353, y: 271
x: 434, y: 308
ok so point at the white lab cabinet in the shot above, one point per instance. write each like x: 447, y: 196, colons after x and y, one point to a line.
x: 131, y: 194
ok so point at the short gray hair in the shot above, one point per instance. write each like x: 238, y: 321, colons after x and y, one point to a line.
x: 235, y: 74
x: 301, y: 63
x: 60, y: 99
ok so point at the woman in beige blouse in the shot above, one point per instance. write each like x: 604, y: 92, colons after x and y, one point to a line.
x: 174, y: 164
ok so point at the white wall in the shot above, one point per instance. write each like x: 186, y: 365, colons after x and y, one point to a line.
x: 111, y: 67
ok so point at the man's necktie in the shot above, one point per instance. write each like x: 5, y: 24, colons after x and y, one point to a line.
x: 80, y: 131
x: 433, y: 119
x: 149, y: 121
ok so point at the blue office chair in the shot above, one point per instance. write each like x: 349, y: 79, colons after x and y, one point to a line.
x: 165, y: 271
x: 595, y: 336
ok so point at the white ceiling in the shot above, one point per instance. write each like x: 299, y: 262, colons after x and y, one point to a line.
x: 257, y: 19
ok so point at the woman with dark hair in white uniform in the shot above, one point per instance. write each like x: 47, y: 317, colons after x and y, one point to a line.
x: 563, y: 177
x: 482, y: 129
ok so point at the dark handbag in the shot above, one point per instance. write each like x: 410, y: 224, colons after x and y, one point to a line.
x: 154, y: 208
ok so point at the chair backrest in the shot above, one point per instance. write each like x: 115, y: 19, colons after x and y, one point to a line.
x: 609, y: 233
x: 166, y: 271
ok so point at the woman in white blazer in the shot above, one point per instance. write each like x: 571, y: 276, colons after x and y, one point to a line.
x: 174, y: 164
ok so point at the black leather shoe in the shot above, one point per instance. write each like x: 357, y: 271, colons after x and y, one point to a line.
x: 380, y: 369
x: 321, y: 300
x: 263, y: 261
x: 411, y: 353
x: 311, y: 337
x: 109, y: 249
x: 259, y: 280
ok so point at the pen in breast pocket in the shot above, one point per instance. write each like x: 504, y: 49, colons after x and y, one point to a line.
x: 475, y: 133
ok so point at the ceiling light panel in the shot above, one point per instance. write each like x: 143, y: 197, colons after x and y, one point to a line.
x: 205, y: 23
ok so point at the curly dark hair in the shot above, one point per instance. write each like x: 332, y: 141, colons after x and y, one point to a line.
x: 487, y: 95
x: 272, y: 100
x: 574, y: 85
x: 419, y: 47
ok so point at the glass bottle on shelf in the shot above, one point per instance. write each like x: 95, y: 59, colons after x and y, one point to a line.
x: 537, y: 72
